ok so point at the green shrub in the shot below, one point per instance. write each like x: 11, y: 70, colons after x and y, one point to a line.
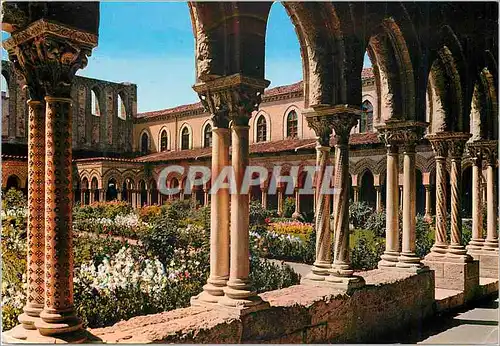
x: 162, y: 238
x: 101, y: 210
x: 258, y: 215
x: 359, y: 212
x: 366, y: 249
x: 377, y: 223
x: 424, y: 236
x: 266, y: 276
x: 14, y: 199
x: 288, y: 207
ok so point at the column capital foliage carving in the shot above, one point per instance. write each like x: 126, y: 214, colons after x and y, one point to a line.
x: 325, y: 119
x: 401, y: 132
x: 232, y: 98
x: 48, y: 55
x: 489, y: 151
x: 456, y: 144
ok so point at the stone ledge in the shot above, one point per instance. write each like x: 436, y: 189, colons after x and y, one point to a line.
x: 297, y: 314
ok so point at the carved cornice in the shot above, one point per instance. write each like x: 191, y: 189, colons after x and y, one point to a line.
x: 456, y: 144
x: 401, y: 132
x: 236, y: 95
x: 48, y: 56
x: 487, y: 149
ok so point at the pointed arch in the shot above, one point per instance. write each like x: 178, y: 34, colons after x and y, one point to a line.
x: 185, y: 137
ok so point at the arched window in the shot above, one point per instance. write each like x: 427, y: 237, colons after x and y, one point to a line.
x: 261, y: 129
x: 122, y: 112
x: 292, y: 125
x: 207, y: 136
x: 185, y: 138
x: 95, y: 109
x: 366, y: 121
x: 144, y: 143
x: 163, y: 140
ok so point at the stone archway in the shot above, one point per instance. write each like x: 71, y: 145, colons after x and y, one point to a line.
x: 367, y: 191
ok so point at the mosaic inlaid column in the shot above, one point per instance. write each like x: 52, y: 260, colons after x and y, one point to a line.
x: 213, y: 291
x: 391, y: 253
x: 491, y: 155
x: 49, y: 55
x: 341, y: 271
x: 477, y: 240
x: 440, y: 147
x: 456, y: 146
x: 36, y: 215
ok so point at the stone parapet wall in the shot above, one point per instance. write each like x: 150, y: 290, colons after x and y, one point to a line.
x: 298, y: 314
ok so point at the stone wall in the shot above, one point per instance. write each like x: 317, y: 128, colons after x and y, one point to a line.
x: 298, y: 314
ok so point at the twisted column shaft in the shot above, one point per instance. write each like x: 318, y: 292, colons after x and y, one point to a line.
x: 440, y: 244
x: 477, y: 240
x: 456, y: 246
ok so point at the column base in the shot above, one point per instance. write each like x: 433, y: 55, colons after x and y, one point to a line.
x: 461, y: 276
x: 490, y: 245
x: 319, y: 271
x: 238, y: 293
x: 212, y: 292
x: 475, y: 244
x: 58, y: 323
x: 341, y: 269
x: 409, y: 260
x: 488, y: 262
x: 31, y: 314
x: 20, y: 335
x: 295, y: 215
x: 457, y: 250
x: 439, y: 250
x: 347, y: 284
x: 388, y: 260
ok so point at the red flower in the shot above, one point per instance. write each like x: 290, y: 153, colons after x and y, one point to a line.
x: 267, y: 220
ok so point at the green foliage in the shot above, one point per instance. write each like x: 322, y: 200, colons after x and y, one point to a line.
x: 258, y: 215
x: 359, y: 212
x: 89, y: 248
x: 424, y: 236
x: 366, y: 249
x: 288, y: 207
x: 14, y: 199
x: 377, y: 223
x: 101, y: 210
x: 162, y: 238
x: 266, y: 276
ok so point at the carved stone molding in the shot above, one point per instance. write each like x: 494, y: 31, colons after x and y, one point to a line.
x: 237, y: 95
x: 48, y: 56
x: 456, y: 144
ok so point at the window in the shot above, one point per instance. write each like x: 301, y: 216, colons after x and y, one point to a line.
x: 163, y: 140
x: 292, y: 125
x: 261, y: 129
x: 144, y: 143
x: 122, y: 113
x: 366, y: 121
x: 185, y: 138
x: 207, y: 136
x: 95, y: 109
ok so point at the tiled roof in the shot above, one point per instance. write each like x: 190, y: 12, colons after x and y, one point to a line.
x: 258, y: 148
x: 366, y: 73
x: 103, y: 158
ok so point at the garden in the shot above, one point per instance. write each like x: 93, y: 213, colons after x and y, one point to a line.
x: 152, y: 259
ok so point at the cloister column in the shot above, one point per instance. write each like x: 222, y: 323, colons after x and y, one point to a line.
x: 440, y: 147
x: 280, y: 201
x: 456, y: 145
x: 36, y: 223
x: 206, y: 196
x: 296, y: 213
x: 213, y: 291
x: 343, y: 120
x: 102, y: 195
x: 321, y: 126
x: 428, y: 200
x: 477, y: 240
x: 400, y: 193
x: 490, y: 150
x: 264, y: 197
x: 82, y: 195
x: 91, y: 196
x: 241, y: 96
x: 378, y: 203
x: 408, y: 258
x: 389, y: 135
x: 53, y: 54
x: 119, y: 195
x: 355, y: 189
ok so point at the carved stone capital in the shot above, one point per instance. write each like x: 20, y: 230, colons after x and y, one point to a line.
x: 456, y: 144
x: 490, y: 152
x: 340, y: 119
x: 401, y: 133
x: 48, y: 56
x: 236, y: 95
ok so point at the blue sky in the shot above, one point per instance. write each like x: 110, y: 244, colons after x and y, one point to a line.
x: 151, y: 44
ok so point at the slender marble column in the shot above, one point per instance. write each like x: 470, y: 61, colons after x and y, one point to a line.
x: 91, y: 196
x: 206, y: 197
x: 58, y: 315
x: 391, y: 253
x: 378, y: 203
x: 102, y: 195
x: 456, y: 149
x: 296, y: 213
x: 82, y: 196
x: 401, y: 197
x: 280, y: 201
x: 440, y: 149
x: 408, y: 258
x: 239, y: 290
x: 322, y: 264
x: 477, y: 240
x: 342, y: 271
x: 219, y: 221
x: 264, y: 197
x: 491, y: 242
x: 36, y: 222
x: 356, y: 193
x: 428, y: 207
